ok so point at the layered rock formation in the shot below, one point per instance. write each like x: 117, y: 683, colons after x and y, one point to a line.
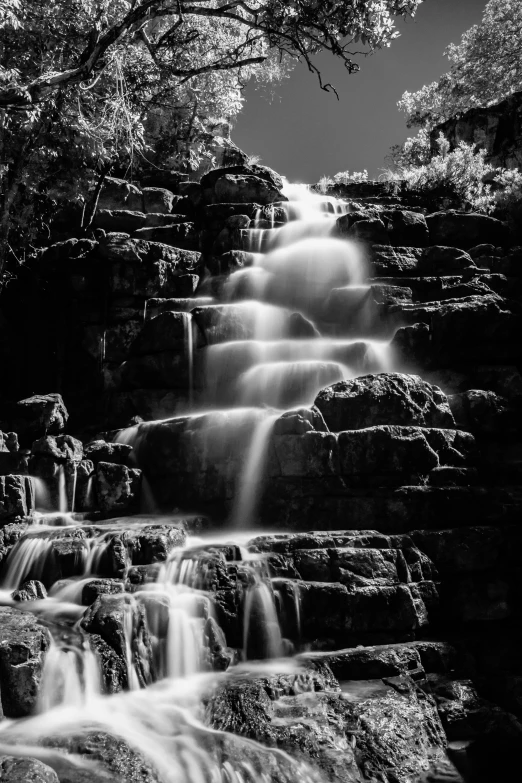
x: 384, y: 477
x: 497, y: 129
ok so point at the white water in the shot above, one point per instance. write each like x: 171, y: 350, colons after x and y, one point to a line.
x: 270, y: 348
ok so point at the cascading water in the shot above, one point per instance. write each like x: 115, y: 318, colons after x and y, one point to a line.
x: 269, y: 348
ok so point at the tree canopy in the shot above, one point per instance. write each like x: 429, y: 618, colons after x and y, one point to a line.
x: 486, y: 66
x: 85, y: 84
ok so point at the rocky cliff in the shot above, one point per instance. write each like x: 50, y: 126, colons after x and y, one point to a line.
x: 497, y: 129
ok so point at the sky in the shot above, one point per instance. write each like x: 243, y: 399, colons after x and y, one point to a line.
x: 305, y: 133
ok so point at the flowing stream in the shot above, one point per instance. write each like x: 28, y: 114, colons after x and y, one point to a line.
x: 272, y: 349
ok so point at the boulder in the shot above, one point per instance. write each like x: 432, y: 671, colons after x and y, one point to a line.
x: 154, y: 543
x: 364, y: 226
x: 475, y: 330
x: 97, y: 587
x: 238, y: 188
x: 337, y: 612
x: 112, y: 666
x: 375, y: 451
x: 444, y: 260
x: 157, y: 200
x: 117, y: 488
x: 119, y: 220
x: 16, y: 498
x: 465, y: 229
x: 412, y: 344
x: 23, y: 645
x: 110, y: 617
x: 484, y: 412
x: 384, y: 398
x: 168, y: 331
x: 167, y: 371
x: 61, y: 448
x: 119, y: 194
x: 373, y: 662
x: 103, y: 756
x: 15, y: 769
x: 464, y: 550
x: 42, y: 414
x: 100, y: 451
x: 222, y: 323
x: 406, y: 228
x: 264, y: 173
x: 149, y: 269
x: 389, y: 261
x: 32, y: 590
x: 179, y: 235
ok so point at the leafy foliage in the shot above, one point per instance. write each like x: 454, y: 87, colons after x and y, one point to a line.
x: 86, y: 85
x: 462, y: 172
x: 486, y: 66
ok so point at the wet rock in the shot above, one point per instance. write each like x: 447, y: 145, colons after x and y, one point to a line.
x: 117, y: 488
x: 16, y: 498
x: 233, y: 260
x: 25, y: 770
x: 180, y: 305
x: 30, y: 591
x: 154, y: 543
x: 465, y: 229
x: 413, y: 739
x: 23, y: 644
x: 111, y: 617
x: 166, y: 332
x: 112, y: 666
x: 10, y: 534
x: 384, y: 398
x: 105, y: 755
x: 374, y: 662
x: 221, y: 323
x: 178, y: 235
x: 60, y: 448
x: 119, y: 194
x: 36, y: 416
x: 117, y: 453
x: 96, y: 587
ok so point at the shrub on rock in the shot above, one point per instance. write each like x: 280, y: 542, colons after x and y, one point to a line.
x: 384, y: 398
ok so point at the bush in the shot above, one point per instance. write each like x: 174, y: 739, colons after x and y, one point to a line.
x: 345, y: 178
x: 463, y: 173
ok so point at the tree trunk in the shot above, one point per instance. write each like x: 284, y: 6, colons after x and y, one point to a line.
x: 92, y: 204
